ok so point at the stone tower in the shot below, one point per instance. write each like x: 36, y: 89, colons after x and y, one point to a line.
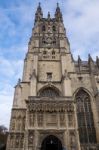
x: 56, y: 104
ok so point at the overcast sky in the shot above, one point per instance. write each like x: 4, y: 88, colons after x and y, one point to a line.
x: 81, y: 19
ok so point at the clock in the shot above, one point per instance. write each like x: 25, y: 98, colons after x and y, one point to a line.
x: 48, y: 40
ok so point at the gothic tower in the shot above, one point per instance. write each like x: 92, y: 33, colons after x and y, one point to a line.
x: 56, y: 104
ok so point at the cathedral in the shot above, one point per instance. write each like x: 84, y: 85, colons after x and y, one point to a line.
x: 56, y: 104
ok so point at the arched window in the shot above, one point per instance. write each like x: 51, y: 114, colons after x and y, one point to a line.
x: 43, y: 28
x: 53, y: 52
x: 87, y: 133
x: 49, y: 92
x: 54, y: 28
x: 44, y: 52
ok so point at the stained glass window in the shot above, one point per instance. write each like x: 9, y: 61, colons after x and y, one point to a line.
x: 87, y: 133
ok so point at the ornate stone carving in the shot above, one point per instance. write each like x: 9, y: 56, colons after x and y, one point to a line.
x: 70, y: 119
x: 23, y: 123
x: 62, y: 119
x: 16, y: 140
x: 73, y: 143
x: 51, y: 119
x: 33, y: 75
x: 51, y: 106
x: 66, y: 75
x: 30, y: 138
x: 11, y: 137
x: 40, y: 119
x: 13, y: 123
x: 18, y: 120
x: 31, y: 119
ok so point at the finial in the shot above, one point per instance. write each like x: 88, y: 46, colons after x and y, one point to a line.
x: 39, y: 4
x: 79, y: 59
x: 58, y: 14
x: 39, y: 13
x: 57, y: 4
x: 97, y: 61
x: 90, y: 58
x: 19, y: 80
x: 49, y: 15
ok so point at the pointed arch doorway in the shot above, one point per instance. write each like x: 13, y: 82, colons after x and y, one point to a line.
x: 51, y: 143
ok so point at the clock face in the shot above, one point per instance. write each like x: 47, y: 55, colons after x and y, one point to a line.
x: 49, y: 40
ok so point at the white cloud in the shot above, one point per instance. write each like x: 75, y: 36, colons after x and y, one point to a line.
x: 10, y: 71
x: 10, y: 68
x: 5, y: 109
x: 82, y: 22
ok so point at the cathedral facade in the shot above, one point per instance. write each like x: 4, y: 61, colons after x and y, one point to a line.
x: 56, y: 104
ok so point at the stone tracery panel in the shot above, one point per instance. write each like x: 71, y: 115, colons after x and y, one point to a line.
x: 40, y: 118
x: 62, y: 119
x: 31, y: 119
x: 18, y: 120
x: 71, y: 120
x: 30, y: 138
x: 16, y: 140
x: 73, y: 140
x: 86, y: 127
x: 51, y: 119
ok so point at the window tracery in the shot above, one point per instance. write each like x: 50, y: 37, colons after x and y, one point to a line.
x: 86, y: 127
x: 49, y: 92
x: 54, y: 28
x: 43, y: 28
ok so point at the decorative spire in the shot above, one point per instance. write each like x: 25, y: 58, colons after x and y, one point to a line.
x: 72, y: 57
x: 39, y: 13
x: 58, y: 8
x: 58, y: 14
x: 97, y: 61
x: 48, y: 15
x: 90, y: 58
x: 91, y: 63
x: 79, y: 60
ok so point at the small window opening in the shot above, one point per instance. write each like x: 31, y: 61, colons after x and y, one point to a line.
x: 44, y: 52
x: 49, y: 76
x: 43, y: 28
x: 43, y: 41
x: 53, y: 52
x: 54, y: 42
x: 54, y: 28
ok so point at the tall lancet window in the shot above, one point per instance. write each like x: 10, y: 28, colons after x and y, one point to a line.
x: 86, y: 127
